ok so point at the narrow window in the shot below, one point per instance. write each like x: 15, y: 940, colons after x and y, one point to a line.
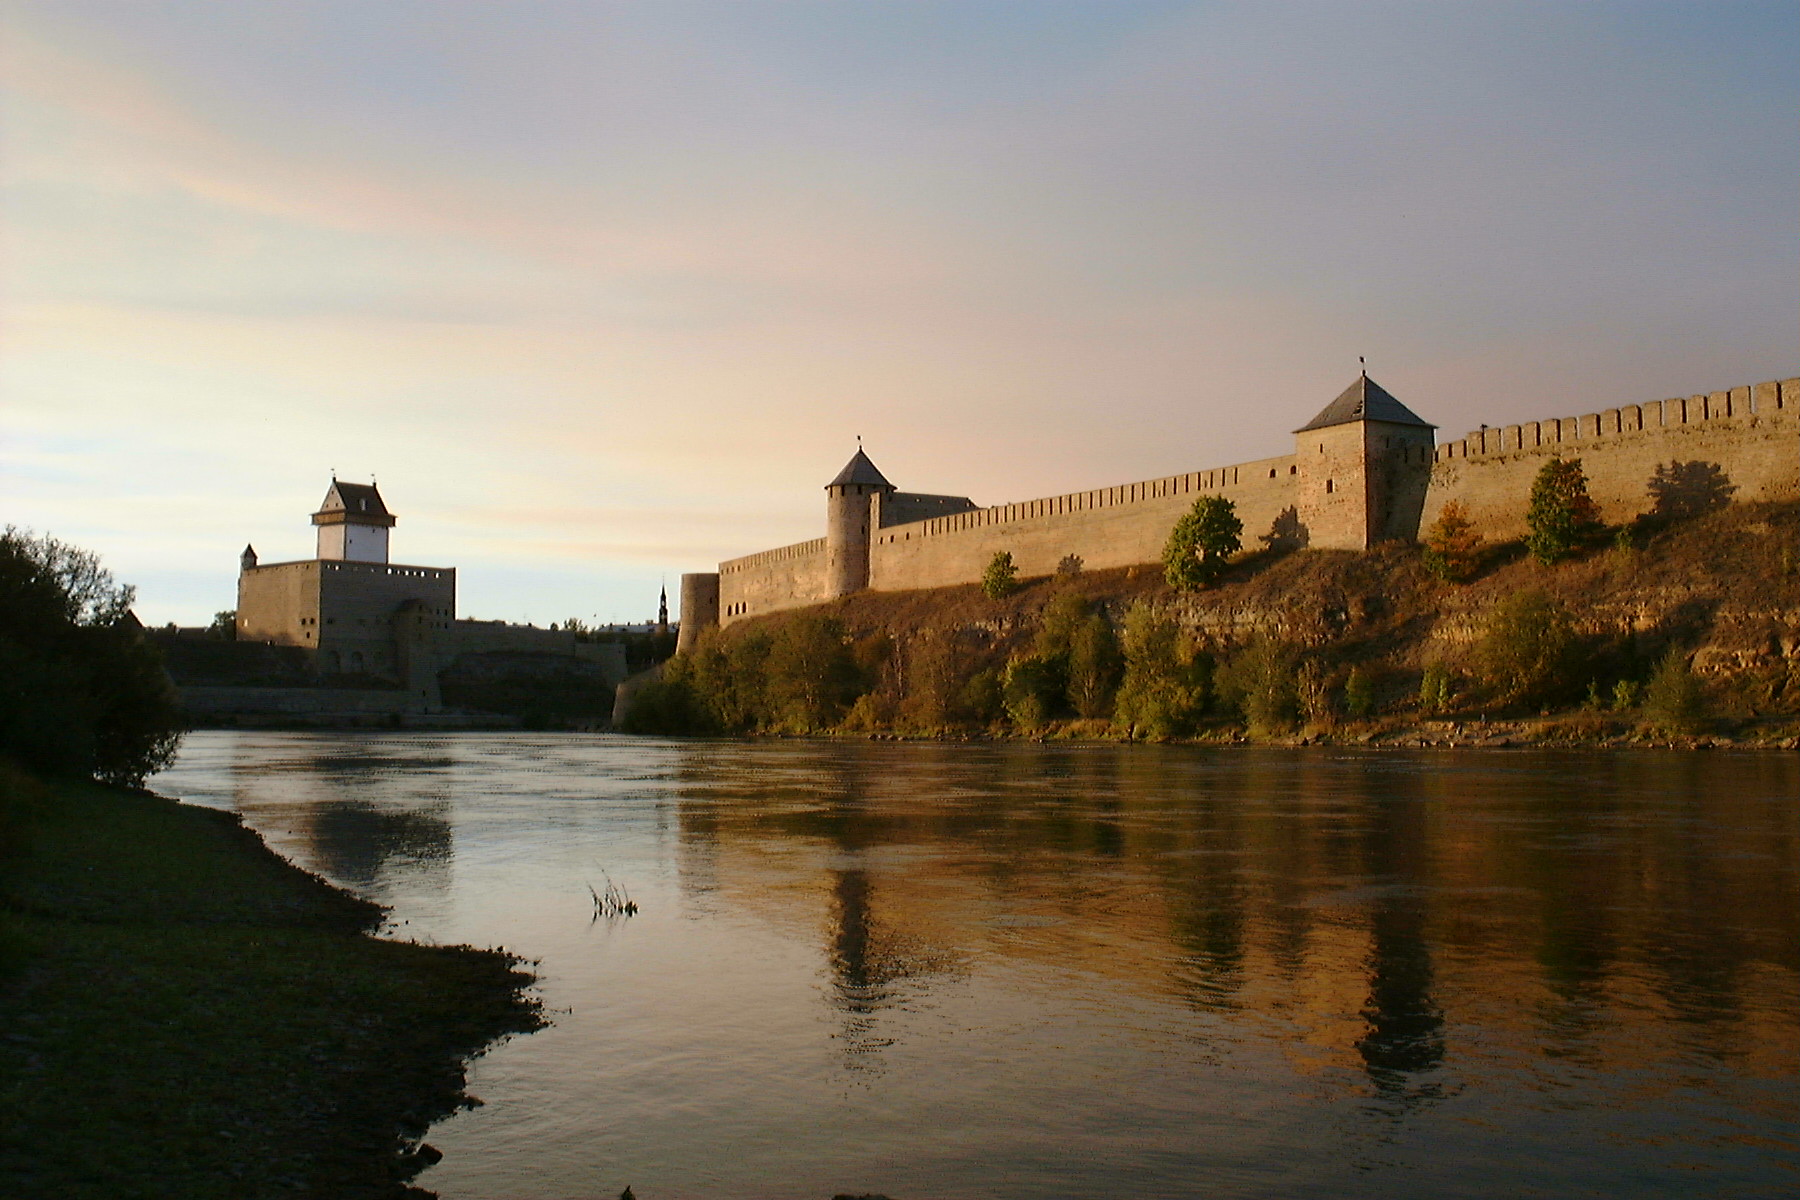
x: 1329, y: 487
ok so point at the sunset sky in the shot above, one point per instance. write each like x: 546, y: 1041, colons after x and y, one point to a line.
x: 604, y: 292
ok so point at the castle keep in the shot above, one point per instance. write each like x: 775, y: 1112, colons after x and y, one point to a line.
x: 362, y: 618
x: 1366, y: 469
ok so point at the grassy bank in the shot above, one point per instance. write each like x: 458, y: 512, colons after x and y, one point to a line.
x: 1669, y: 632
x: 182, y: 1013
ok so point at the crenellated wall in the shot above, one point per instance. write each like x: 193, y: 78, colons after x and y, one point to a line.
x: 786, y: 577
x: 1347, y: 485
x: 1752, y: 433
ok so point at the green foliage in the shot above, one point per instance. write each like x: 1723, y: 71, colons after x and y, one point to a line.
x: 666, y: 707
x: 1165, y: 686
x: 1001, y: 579
x: 1261, y: 680
x: 1562, y: 518
x: 1529, y: 652
x: 1201, y: 543
x: 799, y: 673
x: 811, y: 674
x: 1627, y: 694
x: 1032, y: 689
x: 1359, y: 693
x: 983, y: 697
x: 224, y: 625
x: 1452, y: 545
x: 1435, y: 688
x: 1673, y: 702
x: 85, y: 694
x: 1095, y: 662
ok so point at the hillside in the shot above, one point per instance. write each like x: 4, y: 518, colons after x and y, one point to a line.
x: 1722, y: 590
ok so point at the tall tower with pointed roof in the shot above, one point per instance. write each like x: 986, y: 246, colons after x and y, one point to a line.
x: 1363, y: 465
x: 353, y: 523
x: 849, y: 520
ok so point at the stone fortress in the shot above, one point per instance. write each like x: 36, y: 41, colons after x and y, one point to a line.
x: 382, y: 628
x: 1367, y: 469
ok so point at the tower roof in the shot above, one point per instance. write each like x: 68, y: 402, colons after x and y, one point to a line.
x: 860, y: 470
x: 1365, y: 400
x: 353, y: 503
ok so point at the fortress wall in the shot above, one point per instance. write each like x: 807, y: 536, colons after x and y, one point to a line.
x: 1752, y: 433
x: 279, y: 603
x: 1108, y: 527
x: 786, y: 577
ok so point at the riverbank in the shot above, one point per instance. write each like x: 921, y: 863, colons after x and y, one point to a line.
x: 184, y: 1013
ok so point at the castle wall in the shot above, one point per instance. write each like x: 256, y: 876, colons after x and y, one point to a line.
x: 786, y: 577
x: 279, y: 603
x: 1108, y: 527
x: 1752, y: 433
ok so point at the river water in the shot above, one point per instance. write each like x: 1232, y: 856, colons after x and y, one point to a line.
x: 1021, y: 970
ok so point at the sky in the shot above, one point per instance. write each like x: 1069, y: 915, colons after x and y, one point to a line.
x: 603, y: 292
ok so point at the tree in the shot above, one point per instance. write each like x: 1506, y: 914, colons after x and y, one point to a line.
x: 1562, y: 517
x: 224, y: 625
x: 1672, y: 701
x: 1165, y: 685
x: 1528, y: 651
x: 1201, y: 543
x: 1261, y: 680
x: 84, y: 692
x: 1452, y: 545
x: 1001, y: 579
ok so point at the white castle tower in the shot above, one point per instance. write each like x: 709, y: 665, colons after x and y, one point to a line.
x: 353, y: 524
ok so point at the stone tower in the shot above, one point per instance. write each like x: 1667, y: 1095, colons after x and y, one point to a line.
x: 1364, y: 463
x: 849, y: 504
x: 353, y: 524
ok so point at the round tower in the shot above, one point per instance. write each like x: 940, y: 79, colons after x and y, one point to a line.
x: 849, y: 520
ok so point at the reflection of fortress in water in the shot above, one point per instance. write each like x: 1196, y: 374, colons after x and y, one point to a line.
x: 1376, y: 922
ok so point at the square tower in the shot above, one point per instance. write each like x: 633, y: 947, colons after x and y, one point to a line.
x: 1364, y: 463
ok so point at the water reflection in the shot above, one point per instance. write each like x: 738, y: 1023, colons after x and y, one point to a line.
x: 1032, y: 970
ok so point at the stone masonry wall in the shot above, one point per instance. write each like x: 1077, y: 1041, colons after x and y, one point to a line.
x: 786, y: 577
x: 1752, y: 433
x: 1107, y: 527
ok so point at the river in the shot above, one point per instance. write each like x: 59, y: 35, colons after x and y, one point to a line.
x: 1023, y: 970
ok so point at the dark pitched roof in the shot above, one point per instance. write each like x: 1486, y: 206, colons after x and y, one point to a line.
x: 1365, y: 400
x: 357, y: 499
x: 860, y: 470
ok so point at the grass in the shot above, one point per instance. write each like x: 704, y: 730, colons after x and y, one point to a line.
x: 182, y: 1013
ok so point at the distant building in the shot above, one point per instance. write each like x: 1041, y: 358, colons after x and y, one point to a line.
x: 364, y: 620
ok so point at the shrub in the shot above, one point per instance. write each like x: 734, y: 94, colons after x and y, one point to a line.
x: 1672, y: 700
x: 666, y: 707
x: 1262, y: 679
x: 1001, y: 579
x: 1032, y: 690
x: 1529, y: 650
x: 1094, y: 664
x: 1164, y: 689
x: 1562, y: 517
x: 1201, y: 543
x: 1359, y: 693
x: 85, y: 694
x: 1434, y: 689
x: 1627, y: 694
x: 1452, y: 545
x: 983, y: 697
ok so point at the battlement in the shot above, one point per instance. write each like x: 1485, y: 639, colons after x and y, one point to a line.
x: 1353, y: 480
x: 1763, y: 399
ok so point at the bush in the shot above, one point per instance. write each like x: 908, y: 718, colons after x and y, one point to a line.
x: 1529, y: 652
x: 1359, y: 693
x: 1562, y: 517
x: 1672, y: 700
x: 1201, y: 543
x: 1261, y: 679
x: 1452, y: 545
x: 1164, y: 689
x: 1032, y: 690
x: 84, y: 692
x: 1434, y: 689
x: 1001, y: 579
x: 666, y: 707
x: 1094, y: 665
